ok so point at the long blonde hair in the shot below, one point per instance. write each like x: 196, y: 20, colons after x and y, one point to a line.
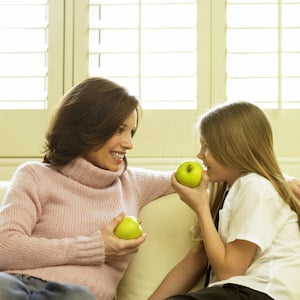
x: 239, y: 136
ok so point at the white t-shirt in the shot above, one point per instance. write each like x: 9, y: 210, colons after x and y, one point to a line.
x: 254, y: 211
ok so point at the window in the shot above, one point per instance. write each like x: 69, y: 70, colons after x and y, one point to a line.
x: 31, y: 72
x: 263, y: 52
x: 23, y: 54
x: 177, y: 75
x: 148, y: 46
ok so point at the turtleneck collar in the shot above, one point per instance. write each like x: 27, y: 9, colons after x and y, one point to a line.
x: 88, y: 174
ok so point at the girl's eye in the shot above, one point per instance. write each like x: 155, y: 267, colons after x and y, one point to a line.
x: 132, y: 133
x: 204, y: 147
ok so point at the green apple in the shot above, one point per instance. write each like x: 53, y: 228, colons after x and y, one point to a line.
x: 129, y: 228
x: 189, y: 173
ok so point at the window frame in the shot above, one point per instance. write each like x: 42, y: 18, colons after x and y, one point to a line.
x: 164, y: 122
x: 283, y: 120
x: 163, y: 134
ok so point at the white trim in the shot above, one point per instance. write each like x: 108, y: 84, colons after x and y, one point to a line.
x: 155, y: 163
x: 290, y: 165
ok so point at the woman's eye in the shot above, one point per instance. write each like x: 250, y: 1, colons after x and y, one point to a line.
x: 120, y: 130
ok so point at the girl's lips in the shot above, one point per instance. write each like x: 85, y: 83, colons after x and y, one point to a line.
x: 206, y: 166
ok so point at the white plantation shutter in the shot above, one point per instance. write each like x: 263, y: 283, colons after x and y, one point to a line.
x: 170, y: 53
x: 23, y: 54
x: 263, y: 52
x: 31, y: 73
x: 148, y: 46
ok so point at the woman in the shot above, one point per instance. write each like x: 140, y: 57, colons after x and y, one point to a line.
x: 58, y: 217
x: 255, y: 252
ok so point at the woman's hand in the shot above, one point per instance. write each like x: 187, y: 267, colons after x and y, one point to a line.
x: 295, y: 185
x: 116, y: 248
x: 196, y: 198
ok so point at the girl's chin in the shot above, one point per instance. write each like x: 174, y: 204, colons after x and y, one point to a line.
x: 212, y: 178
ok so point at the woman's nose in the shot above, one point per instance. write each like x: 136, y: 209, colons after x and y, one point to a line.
x: 127, y: 143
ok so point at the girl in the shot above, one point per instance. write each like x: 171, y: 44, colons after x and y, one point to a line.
x: 255, y: 252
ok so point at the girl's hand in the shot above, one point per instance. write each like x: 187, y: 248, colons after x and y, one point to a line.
x: 116, y: 248
x: 197, y: 198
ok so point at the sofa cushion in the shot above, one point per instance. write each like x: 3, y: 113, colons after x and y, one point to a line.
x: 167, y: 222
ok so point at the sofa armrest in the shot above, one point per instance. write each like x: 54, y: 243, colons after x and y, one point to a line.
x: 167, y: 222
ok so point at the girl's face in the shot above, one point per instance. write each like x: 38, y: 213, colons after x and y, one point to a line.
x: 110, y: 156
x: 215, y: 170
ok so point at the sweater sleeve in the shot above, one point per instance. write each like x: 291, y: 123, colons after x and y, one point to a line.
x: 20, y: 248
x: 151, y: 184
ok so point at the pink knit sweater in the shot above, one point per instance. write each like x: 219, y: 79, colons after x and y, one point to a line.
x: 50, y: 221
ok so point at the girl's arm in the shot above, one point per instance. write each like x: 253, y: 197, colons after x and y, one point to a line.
x: 226, y: 259
x: 184, y: 275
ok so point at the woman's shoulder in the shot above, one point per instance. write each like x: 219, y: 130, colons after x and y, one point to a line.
x: 32, y: 168
x: 33, y: 165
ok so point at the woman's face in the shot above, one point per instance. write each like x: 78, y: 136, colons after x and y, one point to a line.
x: 110, y: 156
x: 216, y: 171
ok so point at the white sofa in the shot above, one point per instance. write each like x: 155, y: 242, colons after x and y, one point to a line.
x: 167, y: 222
x: 3, y: 187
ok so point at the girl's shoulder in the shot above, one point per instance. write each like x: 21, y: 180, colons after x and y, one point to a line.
x: 253, y: 180
x: 253, y: 190
x: 254, y: 186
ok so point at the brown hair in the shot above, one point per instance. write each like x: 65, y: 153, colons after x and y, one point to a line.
x: 86, y: 117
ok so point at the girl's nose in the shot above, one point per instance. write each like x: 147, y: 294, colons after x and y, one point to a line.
x: 200, y: 155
